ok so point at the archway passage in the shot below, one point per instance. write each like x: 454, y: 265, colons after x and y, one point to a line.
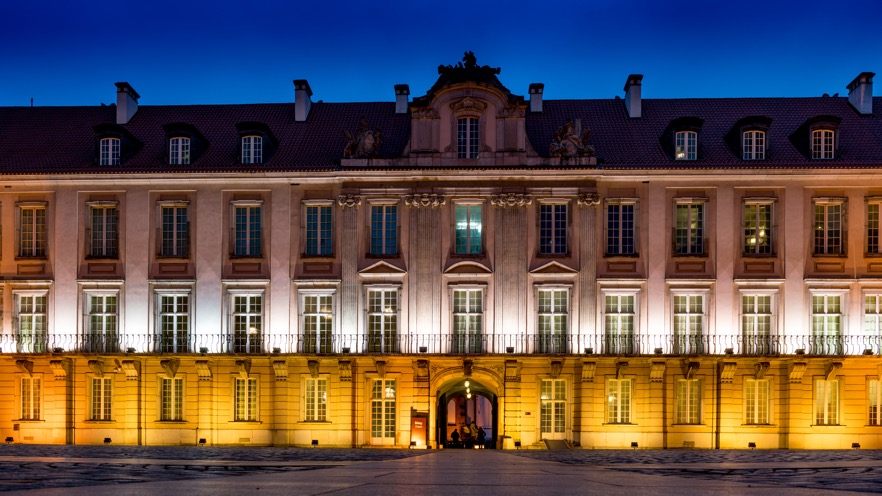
x: 469, y: 409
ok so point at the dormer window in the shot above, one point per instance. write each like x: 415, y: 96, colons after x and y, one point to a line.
x: 109, y: 151
x: 467, y: 137
x: 252, y: 149
x: 179, y: 151
x: 753, y: 145
x: 685, y: 145
x: 823, y: 144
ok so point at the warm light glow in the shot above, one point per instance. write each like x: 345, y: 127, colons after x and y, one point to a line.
x: 466, y: 383
x: 469, y: 396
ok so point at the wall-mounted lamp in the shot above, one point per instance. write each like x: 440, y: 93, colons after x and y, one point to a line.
x: 634, y: 444
x: 107, y: 440
x: 9, y: 440
x: 751, y: 445
x: 517, y: 444
x: 855, y: 445
x: 201, y: 441
x: 315, y: 443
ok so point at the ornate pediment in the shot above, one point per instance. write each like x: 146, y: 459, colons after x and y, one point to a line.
x: 467, y: 71
x: 553, y: 267
x: 381, y: 267
x: 468, y: 267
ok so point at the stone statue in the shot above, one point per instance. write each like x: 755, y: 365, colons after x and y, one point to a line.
x: 568, y: 143
x: 364, y: 143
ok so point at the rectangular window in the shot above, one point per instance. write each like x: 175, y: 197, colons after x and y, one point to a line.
x: 104, y: 231
x: 100, y: 399
x: 756, y: 323
x: 875, y: 402
x: 823, y: 144
x: 32, y: 323
x: 618, y: 405
x: 756, y: 401
x: 383, y: 395
x: 467, y: 137
x: 173, y: 319
x: 171, y: 398
x: 252, y: 149
x: 689, y: 323
x: 384, y: 229
x: 319, y: 226
x: 468, y: 320
x: 688, y: 401
x: 826, y: 324
x: 553, y: 318
x: 553, y: 406
x: 873, y: 247
x: 247, y: 230
x: 318, y: 323
x: 382, y: 320
x: 103, y: 322
x: 873, y: 322
x: 247, y: 323
x: 316, y: 401
x: 753, y: 145
x: 828, y: 229
x: 689, y: 228
x: 179, y: 151
x: 245, y: 400
x: 621, y: 224
x: 30, y: 398
x: 174, y: 231
x: 468, y: 230
x: 619, y: 312
x: 553, y: 229
x: 826, y: 402
x: 686, y: 143
x: 757, y: 228
x: 32, y: 230
x: 109, y: 152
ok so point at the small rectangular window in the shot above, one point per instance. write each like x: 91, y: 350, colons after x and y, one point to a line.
x: 31, y: 321
x: 827, y: 324
x: 619, y: 319
x: 245, y: 400
x: 873, y: 245
x: 30, y: 398
x: 689, y: 321
x: 553, y: 406
x: 318, y: 323
x: 100, y: 400
x: 102, y: 321
x: 316, y: 400
x: 173, y: 322
x: 618, y: 406
x: 382, y: 320
x: 32, y: 230
x: 827, y: 402
x: 468, y: 229
x: 383, y: 410
x: 756, y: 323
x: 174, y: 231
x: 688, y: 409
x: 171, y: 398
x: 875, y: 402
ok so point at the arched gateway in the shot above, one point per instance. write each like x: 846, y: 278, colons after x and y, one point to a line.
x: 464, y: 404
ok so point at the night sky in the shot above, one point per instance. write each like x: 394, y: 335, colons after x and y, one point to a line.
x: 177, y: 52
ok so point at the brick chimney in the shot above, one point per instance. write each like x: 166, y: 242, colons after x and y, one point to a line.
x: 536, y: 90
x: 633, y: 104
x: 402, y: 92
x: 126, y: 102
x: 860, y: 93
x: 302, y: 103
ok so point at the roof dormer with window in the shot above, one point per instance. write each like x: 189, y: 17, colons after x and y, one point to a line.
x: 818, y: 138
x: 185, y: 143
x: 256, y: 143
x: 749, y: 138
x: 681, y: 139
x: 113, y: 145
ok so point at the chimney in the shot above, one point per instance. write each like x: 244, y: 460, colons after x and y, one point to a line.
x: 126, y: 102
x: 632, y: 96
x: 302, y: 103
x: 402, y: 91
x: 536, y: 90
x: 860, y: 93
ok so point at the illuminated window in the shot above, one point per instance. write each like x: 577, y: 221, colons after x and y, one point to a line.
x: 102, y: 320
x: 103, y: 230
x: 316, y: 400
x: 468, y: 320
x: 31, y: 229
x: 467, y: 137
x: 619, y: 319
x: 171, y: 398
x: 753, y: 145
x: 756, y: 401
x: 827, y: 323
x: 689, y: 319
x: 875, y: 402
x: 686, y: 145
x: 873, y: 245
x: 384, y: 229
x: 618, y: 403
x: 828, y: 229
x: 758, y: 227
x: 382, y: 320
x: 823, y: 144
x: 383, y: 406
x: 252, y: 149
x: 246, y: 322
x: 108, y: 151
x: 826, y: 402
x: 31, y: 319
x: 756, y: 323
x: 247, y: 229
x: 621, y: 227
x: 319, y: 228
x: 553, y: 406
x: 100, y: 398
x: 689, y: 228
x: 245, y: 399
x: 873, y: 322
x: 553, y: 317
x: 173, y: 321
x: 553, y: 229
x: 318, y: 322
x: 688, y: 408
x: 468, y: 230
x: 31, y: 388
x: 179, y: 151
x: 174, y: 230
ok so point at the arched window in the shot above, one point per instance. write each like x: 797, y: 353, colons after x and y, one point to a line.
x: 467, y: 137
x: 252, y: 149
x: 686, y: 145
x: 753, y: 145
x: 109, y: 151
x: 823, y: 144
x: 179, y: 151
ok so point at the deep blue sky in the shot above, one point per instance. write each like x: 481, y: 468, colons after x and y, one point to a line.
x: 195, y: 51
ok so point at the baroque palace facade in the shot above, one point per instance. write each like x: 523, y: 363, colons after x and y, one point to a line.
x: 611, y: 273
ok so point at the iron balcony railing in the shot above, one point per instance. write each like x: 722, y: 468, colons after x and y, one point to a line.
x: 468, y: 344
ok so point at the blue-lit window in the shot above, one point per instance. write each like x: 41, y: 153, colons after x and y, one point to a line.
x: 620, y: 228
x: 247, y: 231
x: 384, y: 230
x: 319, y: 224
x: 468, y: 230
x: 252, y: 149
x: 553, y: 229
x: 467, y: 137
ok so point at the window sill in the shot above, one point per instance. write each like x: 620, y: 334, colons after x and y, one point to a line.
x: 629, y: 256
x: 319, y: 422
x: 469, y: 256
x: 313, y: 258
x: 620, y: 424
x: 762, y: 256
x: 240, y: 258
x: 689, y: 425
x: 173, y: 258
x: 690, y: 256
x: 246, y: 422
x: 29, y: 421
x: 29, y: 259
x: 92, y: 421
x: 827, y: 426
x: 759, y: 426
x: 553, y: 256
x: 830, y: 255
x: 99, y: 258
x: 170, y: 422
x: 375, y: 256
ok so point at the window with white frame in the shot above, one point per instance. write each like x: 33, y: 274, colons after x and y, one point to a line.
x: 873, y: 246
x: 384, y: 230
x: 100, y: 398
x: 553, y: 406
x: 247, y: 228
x: 823, y: 144
x: 553, y: 319
x: 31, y: 396
x: 171, y: 398
x: 319, y: 229
x: 179, y: 151
x: 753, y: 145
x: 689, y: 321
x: 689, y: 226
x: 174, y: 229
x: 252, y: 149
x: 315, y: 400
x: 245, y: 399
x: 31, y: 320
x: 318, y: 322
x: 826, y: 402
x: 246, y: 321
x: 173, y: 321
x: 873, y: 321
x: 874, y: 399
x: 108, y: 153
x: 757, y: 322
x: 688, y: 409
x: 619, y: 320
x: 467, y: 137
x: 827, y: 322
x: 31, y: 229
x: 621, y: 227
x: 758, y: 227
x: 828, y: 227
x: 383, y: 410
x: 686, y: 145
x: 102, y: 321
x: 757, y: 401
x: 382, y: 320
x: 618, y: 403
x: 468, y: 230
x: 103, y: 229
x: 553, y: 221
x: 468, y: 320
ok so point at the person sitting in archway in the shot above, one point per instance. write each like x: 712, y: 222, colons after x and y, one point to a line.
x: 454, y: 439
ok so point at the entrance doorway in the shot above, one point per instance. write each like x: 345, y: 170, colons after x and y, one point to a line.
x: 467, y: 407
